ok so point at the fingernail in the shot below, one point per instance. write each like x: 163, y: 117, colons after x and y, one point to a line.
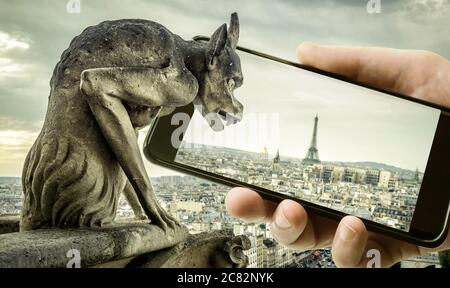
x: 281, y: 221
x: 346, y: 233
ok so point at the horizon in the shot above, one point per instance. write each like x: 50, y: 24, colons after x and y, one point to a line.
x: 299, y: 158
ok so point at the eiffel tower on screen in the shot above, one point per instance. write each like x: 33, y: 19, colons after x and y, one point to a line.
x: 312, y: 156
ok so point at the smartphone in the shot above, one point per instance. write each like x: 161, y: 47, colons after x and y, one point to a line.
x: 336, y: 146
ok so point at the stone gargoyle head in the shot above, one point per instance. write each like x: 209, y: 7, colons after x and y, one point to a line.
x: 215, y: 99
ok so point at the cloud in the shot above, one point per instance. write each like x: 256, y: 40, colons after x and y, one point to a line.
x: 424, y: 10
x: 8, y: 42
x: 33, y: 34
x: 16, y: 138
x: 9, y: 67
x: 10, y: 123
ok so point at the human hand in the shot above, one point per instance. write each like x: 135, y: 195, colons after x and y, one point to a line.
x: 420, y: 74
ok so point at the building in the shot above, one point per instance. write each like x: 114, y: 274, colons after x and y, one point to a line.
x: 284, y: 256
x: 417, y: 176
x: 393, y: 183
x: 354, y: 175
x: 385, y: 177
x: 312, y: 156
x: 270, y: 253
x: 276, y: 159
x: 372, y: 176
x: 187, y: 206
x: 260, y: 250
x: 276, y: 162
x: 252, y: 253
x: 326, y: 174
x: 426, y: 260
x: 264, y: 156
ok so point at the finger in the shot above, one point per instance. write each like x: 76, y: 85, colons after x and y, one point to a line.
x: 318, y: 233
x: 248, y: 205
x: 381, y: 67
x: 288, y: 222
x: 349, y: 242
x: 354, y: 246
x: 292, y: 227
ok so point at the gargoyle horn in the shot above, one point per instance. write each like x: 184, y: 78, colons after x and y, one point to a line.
x: 233, y: 31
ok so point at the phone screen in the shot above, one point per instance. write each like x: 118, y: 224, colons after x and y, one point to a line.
x: 320, y: 139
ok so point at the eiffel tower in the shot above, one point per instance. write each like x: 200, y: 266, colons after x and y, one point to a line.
x: 312, y: 156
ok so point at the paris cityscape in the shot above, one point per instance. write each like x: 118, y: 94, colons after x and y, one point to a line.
x: 373, y: 191
x: 369, y: 190
x: 199, y: 205
x: 379, y: 195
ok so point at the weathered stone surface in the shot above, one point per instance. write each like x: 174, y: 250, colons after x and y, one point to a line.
x: 204, y: 250
x: 112, y: 80
x: 9, y: 224
x: 48, y: 247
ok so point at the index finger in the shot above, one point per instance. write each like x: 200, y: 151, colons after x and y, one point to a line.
x: 249, y: 205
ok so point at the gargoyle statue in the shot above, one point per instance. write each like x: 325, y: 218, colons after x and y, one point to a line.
x: 113, y: 79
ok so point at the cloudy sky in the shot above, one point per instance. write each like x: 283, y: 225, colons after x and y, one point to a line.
x: 33, y: 34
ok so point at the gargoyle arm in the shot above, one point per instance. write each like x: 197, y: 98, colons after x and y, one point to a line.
x: 106, y: 88
x: 132, y: 199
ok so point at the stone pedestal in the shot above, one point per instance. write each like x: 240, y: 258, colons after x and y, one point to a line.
x: 121, y: 245
x: 208, y: 249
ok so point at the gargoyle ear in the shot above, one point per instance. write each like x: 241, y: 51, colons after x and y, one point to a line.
x: 233, y: 31
x: 216, y: 44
